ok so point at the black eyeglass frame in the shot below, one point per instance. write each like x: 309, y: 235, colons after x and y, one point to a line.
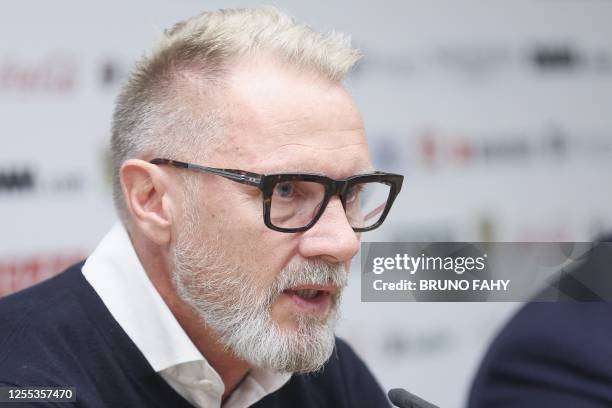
x: 266, y: 183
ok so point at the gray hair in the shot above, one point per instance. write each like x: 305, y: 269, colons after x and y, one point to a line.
x: 149, y: 118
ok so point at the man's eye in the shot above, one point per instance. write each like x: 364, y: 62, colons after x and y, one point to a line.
x: 284, y: 190
x: 353, y: 192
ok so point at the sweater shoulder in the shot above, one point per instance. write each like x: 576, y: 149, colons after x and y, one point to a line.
x: 41, y: 305
x: 39, y: 323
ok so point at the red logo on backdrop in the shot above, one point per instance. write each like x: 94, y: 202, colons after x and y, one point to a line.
x: 17, y: 274
x: 55, y: 73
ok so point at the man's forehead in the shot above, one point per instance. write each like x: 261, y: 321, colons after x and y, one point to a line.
x: 330, y: 156
x: 337, y: 161
x: 273, y: 119
x: 327, y: 153
x: 281, y: 121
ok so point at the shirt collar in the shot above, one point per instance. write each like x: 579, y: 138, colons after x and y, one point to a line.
x: 116, y: 274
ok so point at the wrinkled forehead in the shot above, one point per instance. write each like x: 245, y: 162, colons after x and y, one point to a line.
x: 282, y: 120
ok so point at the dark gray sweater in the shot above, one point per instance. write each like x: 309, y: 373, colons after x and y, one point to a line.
x: 59, y: 333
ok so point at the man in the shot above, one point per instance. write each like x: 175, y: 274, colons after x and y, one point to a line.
x: 197, y: 298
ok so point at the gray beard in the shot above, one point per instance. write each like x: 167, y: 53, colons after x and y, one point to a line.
x: 226, y: 298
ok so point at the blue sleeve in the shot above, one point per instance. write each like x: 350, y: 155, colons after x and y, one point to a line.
x: 550, y: 355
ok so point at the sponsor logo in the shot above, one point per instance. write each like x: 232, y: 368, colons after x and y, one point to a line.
x: 55, y: 73
x: 20, y: 273
x: 555, y: 57
x: 17, y: 180
x: 26, y: 180
x: 481, y: 62
x: 434, y: 148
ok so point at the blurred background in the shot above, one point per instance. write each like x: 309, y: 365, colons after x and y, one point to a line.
x: 498, y: 113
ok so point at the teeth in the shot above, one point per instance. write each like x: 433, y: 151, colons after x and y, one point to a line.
x: 307, y: 293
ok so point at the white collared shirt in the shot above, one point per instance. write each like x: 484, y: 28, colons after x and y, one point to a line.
x: 115, y: 273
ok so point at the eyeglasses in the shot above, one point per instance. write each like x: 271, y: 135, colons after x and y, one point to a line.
x: 295, y: 202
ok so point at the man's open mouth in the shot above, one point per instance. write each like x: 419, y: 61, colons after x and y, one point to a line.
x: 315, y: 298
x: 312, y: 291
x: 308, y: 293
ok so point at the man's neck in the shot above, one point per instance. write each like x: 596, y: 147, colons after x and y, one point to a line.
x: 231, y: 369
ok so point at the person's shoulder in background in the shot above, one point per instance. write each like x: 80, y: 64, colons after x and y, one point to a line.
x: 549, y: 355
x: 554, y: 354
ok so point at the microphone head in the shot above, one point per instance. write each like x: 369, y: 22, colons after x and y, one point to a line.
x: 403, y: 399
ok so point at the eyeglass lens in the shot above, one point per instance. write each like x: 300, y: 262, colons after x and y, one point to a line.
x: 295, y: 204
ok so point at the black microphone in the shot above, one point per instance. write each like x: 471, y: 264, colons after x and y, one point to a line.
x: 403, y: 399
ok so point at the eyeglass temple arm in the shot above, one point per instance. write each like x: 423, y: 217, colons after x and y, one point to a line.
x: 240, y: 176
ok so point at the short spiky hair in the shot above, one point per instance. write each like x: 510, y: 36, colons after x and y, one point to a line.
x: 149, y: 118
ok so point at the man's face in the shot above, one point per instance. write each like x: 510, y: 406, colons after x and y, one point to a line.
x: 272, y: 296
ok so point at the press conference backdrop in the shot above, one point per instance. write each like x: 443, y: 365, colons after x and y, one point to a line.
x: 498, y: 113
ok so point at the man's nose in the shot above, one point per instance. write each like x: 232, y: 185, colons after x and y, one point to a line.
x: 331, y: 238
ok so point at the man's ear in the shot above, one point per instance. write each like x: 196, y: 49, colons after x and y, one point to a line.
x: 145, y: 190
